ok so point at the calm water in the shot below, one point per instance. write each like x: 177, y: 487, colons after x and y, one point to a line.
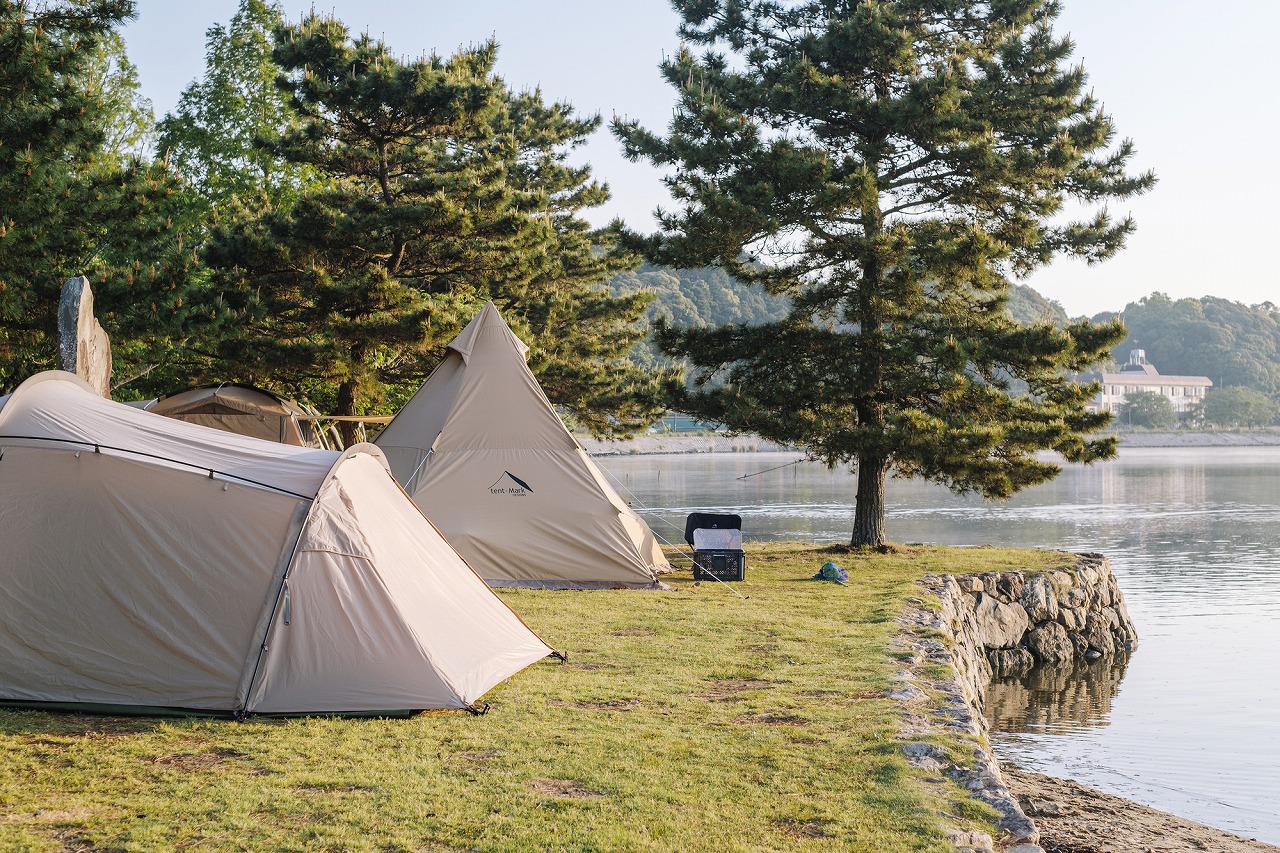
x: 1190, y: 723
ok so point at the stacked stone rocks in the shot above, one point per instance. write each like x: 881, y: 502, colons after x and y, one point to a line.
x: 994, y: 624
x: 1057, y: 618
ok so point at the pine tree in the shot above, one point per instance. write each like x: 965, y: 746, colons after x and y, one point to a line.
x: 439, y: 189
x: 886, y: 164
x: 73, y: 202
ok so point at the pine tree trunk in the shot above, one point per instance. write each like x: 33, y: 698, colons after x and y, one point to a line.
x: 347, y: 395
x: 868, y: 510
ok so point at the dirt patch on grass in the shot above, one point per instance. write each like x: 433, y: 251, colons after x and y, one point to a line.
x: 479, y: 756
x: 801, y: 829
x: 606, y: 705
x: 197, y: 762
x: 568, y: 789
x: 731, y: 689
x: 588, y: 667
x: 71, y: 841
x: 773, y: 718
x: 48, y: 816
x: 633, y: 632
x: 886, y: 548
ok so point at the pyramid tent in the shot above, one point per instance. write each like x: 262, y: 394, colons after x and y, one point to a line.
x: 154, y: 564
x: 245, y: 410
x: 481, y: 450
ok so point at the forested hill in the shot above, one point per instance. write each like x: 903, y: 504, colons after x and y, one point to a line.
x: 691, y: 298
x: 702, y: 297
x: 1232, y: 343
x: 710, y: 297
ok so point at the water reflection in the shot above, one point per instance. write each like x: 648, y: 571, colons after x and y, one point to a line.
x: 1056, y: 699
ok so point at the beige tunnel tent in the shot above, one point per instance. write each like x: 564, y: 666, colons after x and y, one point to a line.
x: 245, y: 410
x: 481, y: 450
x: 151, y: 563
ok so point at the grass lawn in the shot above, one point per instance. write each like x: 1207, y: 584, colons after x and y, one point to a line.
x: 683, y: 720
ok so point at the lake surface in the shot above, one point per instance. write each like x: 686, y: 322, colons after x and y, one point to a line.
x: 1190, y: 722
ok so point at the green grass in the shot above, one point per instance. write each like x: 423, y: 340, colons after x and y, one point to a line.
x: 684, y: 720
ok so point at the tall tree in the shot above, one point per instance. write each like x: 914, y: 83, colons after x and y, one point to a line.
x: 217, y: 137
x: 1238, y: 407
x: 129, y: 123
x: 441, y: 189
x: 887, y: 163
x: 1149, y: 409
x: 74, y: 201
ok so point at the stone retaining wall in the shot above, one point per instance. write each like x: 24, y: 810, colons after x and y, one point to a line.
x: 995, y: 624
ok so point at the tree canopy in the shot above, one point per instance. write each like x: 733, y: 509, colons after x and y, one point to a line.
x: 1238, y: 407
x: 438, y: 188
x: 76, y: 201
x: 887, y: 166
x: 218, y: 136
x: 1149, y: 409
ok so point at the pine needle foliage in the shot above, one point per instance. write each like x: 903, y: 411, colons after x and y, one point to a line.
x: 73, y: 199
x: 439, y: 188
x: 888, y: 165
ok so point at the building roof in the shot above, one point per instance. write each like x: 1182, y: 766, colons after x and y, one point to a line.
x: 1135, y: 378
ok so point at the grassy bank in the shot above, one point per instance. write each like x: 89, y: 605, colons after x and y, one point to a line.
x: 685, y: 720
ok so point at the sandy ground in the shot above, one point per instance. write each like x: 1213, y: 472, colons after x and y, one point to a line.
x: 1076, y: 819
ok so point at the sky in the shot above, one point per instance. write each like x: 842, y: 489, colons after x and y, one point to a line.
x: 1192, y: 84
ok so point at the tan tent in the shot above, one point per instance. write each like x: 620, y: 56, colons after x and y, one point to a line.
x: 244, y: 410
x: 483, y: 453
x: 151, y: 563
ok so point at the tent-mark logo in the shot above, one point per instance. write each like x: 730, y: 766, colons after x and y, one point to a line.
x: 510, y: 484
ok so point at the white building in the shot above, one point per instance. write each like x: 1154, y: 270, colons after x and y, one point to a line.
x: 1140, y: 375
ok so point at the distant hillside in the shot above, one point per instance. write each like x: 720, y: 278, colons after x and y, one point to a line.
x: 702, y: 297
x: 1231, y: 343
x: 1028, y: 306
x: 710, y: 297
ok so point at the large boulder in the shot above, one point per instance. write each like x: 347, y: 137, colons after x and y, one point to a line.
x: 1000, y: 625
x: 1099, y: 631
x: 83, y: 346
x: 1071, y: 618
x: 1050, y: 644
x: 1039, y: 600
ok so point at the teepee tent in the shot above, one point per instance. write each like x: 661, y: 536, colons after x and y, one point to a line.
x: 481, y: 450
x: 244, y: 410
x: 152, y: 564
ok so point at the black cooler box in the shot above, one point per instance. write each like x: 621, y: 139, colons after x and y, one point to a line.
x: 717, y: 546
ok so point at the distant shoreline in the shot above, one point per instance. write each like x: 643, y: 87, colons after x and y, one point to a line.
x: 1223, y: 438
x: 663, y: 444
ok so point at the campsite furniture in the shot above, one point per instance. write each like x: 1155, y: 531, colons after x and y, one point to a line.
x: 246, y: 410
x: 481, y: 450
x: 154, y: 564
x: 717, y: 546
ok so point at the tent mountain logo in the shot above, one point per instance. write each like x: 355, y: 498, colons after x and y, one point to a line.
x: 510, y: 484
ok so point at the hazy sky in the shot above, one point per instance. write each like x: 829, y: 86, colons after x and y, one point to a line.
x: 1191, y: 83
